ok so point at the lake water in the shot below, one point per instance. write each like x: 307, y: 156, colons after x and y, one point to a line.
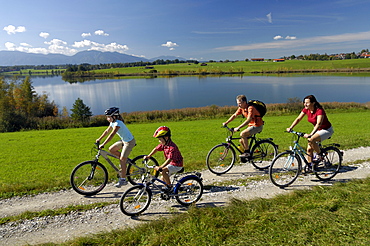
x: 182, y: 92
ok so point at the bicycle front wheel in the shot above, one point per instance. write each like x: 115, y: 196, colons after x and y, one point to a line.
x: 135, y: 200
x: 89, y: 178
x: 262, y: 154
x: 137, y: 170
x: 188, y: 191
x: 220, y: 159
x: 285, y: 169
x: 331, y: 164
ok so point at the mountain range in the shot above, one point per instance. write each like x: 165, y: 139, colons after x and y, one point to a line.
x: 17, y: 58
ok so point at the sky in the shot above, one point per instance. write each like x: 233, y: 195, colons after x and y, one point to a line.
x: 192, y: 29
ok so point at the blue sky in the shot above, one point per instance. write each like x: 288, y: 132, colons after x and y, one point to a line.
x: 192, y: 29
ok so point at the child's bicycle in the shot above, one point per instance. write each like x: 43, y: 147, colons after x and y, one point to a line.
x: 221, y: 158
x: 187, y: 189
x: 90, y: 177
x: 287, y: 165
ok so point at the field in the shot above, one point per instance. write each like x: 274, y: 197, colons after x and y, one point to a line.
x: 248, y: 67
x: 335, y: 66
x: 37, y: 161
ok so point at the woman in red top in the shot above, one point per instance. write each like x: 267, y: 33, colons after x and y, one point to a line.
x: 322, y: 129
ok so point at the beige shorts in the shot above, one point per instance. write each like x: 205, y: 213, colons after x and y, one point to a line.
x: 125, y: 146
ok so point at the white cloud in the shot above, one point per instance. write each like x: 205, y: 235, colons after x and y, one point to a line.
x: 170, y: 45
x: 85, y: 34
x: 112, y: 47
x: 57, y: 46
x: 101, y: 33
x: 10, y: 46
x: 291, y: 38
x: 292, y: 42
x: 269, y: 17
x: 13, y: 30
x: 44, y: 34
x: 26, y: 45
x: 287, y: 37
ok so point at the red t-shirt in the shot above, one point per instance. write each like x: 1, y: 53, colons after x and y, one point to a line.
x: 312, y: 117
x: 253, y: 112
x: 171, y: 151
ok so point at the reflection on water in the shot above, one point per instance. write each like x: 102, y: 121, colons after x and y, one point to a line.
x: 181, y: 92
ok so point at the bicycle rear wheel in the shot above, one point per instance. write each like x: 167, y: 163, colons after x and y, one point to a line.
x: 331, y: 164
x: 220, y: 159
x: 137, y: 170
x: 89, y: 178
x: 285, y: 169
x: 188, y: 191
x: 135, y: 200
x: 262, y: 154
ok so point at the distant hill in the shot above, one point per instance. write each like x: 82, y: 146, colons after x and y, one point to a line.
x: 171, y: 58
x: 12, y: 58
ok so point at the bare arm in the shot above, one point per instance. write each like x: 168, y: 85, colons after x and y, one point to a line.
x: 296, y: 121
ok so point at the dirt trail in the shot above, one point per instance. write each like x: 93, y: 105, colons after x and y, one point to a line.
x: 65, y: 227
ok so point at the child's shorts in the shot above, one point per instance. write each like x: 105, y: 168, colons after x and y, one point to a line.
x: 173, y: 169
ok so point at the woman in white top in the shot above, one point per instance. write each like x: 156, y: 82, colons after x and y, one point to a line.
x: 127, y: 142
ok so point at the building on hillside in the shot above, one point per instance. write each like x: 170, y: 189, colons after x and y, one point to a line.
x: 278, y: 60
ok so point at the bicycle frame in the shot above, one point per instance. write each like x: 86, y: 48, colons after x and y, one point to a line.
x: 105, y: 154
x: 298, y: 149
x: 230, y: 138
x: 153, y: 180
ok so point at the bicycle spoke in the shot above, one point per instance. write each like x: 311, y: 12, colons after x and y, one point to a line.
x: 285, y: 169
x: 329, y: 167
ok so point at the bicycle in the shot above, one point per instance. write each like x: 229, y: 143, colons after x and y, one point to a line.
x: 90, y: 177
x: 187, y: 190
x: 287, y: 165
x: 221, y: 158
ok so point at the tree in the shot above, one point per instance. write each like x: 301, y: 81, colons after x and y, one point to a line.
x: 80, y: 112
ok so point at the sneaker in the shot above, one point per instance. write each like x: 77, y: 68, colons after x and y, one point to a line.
x: 318, y: 159
x: 245, y: 155
x: 120, y: 183
x: 308, y: 168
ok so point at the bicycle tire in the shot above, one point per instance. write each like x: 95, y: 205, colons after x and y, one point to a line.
x: 135, y: 200
x: 220, y: 159
x: 285, y: 169
x: 329, y: 167
x: 89, y: 178
x: 135, y: 175
x: 188, y: 190
x: 262, y: 154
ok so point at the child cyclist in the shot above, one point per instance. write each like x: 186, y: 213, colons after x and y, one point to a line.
x: 172, y: 154
x: 127, y: 142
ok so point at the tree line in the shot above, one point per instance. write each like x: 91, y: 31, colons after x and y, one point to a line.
x: 21, y: 108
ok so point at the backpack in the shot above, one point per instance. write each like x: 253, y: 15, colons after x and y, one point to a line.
x: 260, y: 106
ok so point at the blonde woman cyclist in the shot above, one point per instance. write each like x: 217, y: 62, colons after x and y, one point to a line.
x: 127, y: 142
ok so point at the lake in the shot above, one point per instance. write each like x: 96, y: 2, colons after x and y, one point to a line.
x: 182, y: 92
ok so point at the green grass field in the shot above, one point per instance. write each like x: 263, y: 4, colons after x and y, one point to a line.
x: 247, y: 67
x: 37, y: 161
x: 237, y: 66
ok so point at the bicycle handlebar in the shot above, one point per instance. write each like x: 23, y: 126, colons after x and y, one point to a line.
x: 300, y: 134
x: 230, y: 129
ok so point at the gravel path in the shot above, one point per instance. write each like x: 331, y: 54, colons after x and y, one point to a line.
x: 65, y: 227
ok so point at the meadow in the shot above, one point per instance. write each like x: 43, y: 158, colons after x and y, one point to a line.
x: 38, y: 161
x: 247, y: 67
x: 348, y: 66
